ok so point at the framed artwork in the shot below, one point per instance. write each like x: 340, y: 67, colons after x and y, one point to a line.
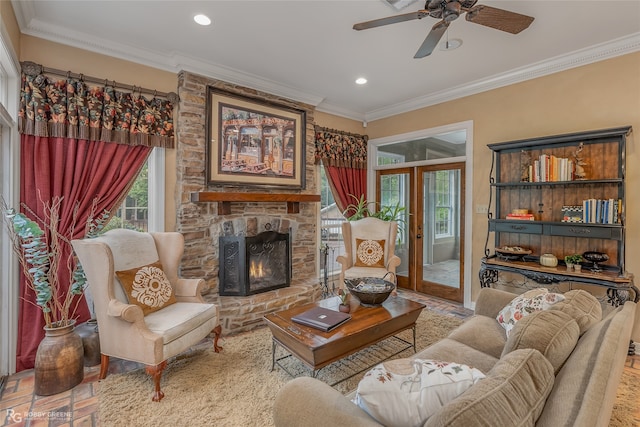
x: 254, y: 143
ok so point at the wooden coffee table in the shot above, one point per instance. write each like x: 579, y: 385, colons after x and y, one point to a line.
x: 367, y: 326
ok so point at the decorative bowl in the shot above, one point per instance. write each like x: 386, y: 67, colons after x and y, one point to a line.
x: 595, y: 258
x: 371, y: 291
x: 512, y: 253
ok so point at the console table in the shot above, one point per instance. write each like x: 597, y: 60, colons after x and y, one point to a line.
x: 620, y: 288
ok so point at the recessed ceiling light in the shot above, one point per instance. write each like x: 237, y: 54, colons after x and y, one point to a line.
x: 202, y: 19
x: 361, y: 80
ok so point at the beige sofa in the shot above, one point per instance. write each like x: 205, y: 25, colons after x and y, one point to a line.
x: 534, y: 377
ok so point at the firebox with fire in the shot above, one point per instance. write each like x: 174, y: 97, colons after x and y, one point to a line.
x: 251, y: 265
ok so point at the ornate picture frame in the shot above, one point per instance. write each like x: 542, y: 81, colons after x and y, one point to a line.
x: 254, y: 143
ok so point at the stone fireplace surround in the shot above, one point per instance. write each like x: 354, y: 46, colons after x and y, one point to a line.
x: 201, y: 224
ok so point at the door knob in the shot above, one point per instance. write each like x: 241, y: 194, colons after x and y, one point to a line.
x: 419, y: 236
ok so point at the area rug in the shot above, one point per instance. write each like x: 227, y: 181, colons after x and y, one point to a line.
x: 237, y: 387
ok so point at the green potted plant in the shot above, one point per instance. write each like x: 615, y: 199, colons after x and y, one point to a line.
x: 360, y: 209
x: 573, y: 261
x: 59, y: 363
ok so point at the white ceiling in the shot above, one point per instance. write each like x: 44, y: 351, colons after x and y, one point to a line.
x: 307, y: 50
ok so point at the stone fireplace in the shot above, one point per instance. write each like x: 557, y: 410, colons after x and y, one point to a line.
x: 203, y: 223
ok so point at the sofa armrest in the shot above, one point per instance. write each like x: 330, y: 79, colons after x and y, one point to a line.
x: 308, y: 402
x: 129, y: 312
x: 188, y: 290
x: 491, y: 301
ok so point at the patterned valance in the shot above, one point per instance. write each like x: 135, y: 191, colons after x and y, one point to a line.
x: 341, y: 149
x: 70, y: 108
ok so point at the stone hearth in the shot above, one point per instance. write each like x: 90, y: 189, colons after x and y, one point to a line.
x: 201, y: 224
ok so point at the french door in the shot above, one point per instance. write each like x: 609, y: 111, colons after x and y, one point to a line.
x: 431, y: 237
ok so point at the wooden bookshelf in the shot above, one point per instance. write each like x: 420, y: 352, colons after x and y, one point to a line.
x: 601, y: 155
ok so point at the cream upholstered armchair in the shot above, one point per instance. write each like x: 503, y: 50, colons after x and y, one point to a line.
x: 145, y: 313
x: 369, y: 245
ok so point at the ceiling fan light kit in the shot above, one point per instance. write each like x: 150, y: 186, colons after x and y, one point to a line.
x: 450, y: 10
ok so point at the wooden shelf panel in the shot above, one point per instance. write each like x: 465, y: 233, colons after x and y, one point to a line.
x: 224, y: 199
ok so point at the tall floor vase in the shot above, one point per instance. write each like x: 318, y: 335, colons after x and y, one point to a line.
x: 59, y: 364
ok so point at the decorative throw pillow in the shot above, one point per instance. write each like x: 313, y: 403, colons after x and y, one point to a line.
x: 582, y: 306
x: 551, y: 332
x: 369, y: 253
x: 406, y: 392
x: 527, y: 303
x: 147, y: 287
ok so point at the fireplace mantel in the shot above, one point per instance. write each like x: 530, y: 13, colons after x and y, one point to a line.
x: 224, y: 199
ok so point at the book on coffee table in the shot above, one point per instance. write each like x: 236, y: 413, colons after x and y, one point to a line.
x: 321, y: 318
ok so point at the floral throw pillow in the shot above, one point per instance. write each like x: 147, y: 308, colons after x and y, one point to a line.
x: 147, y: 287
x: 525, y: 304
x: 369, y: 253
x: 406, y: 392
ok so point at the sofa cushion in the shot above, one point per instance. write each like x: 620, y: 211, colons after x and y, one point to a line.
x: 553, y: 333
x: 482, y: 333
x: 147, y: 287
x: 513, y: 394
x: 369, y: 253
x: 406, y: 392
x: 582, y: 306
x: 525, y: 304
x: 454, y: 351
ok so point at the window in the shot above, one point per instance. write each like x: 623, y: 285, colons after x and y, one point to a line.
x: 389, y: 158
x: 10, y: 191
x: 133, y: 214
x: 331, y: 220
x: 143, y: 208
x: 444, y: 208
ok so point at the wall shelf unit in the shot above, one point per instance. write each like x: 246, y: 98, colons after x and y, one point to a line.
x: 534, y: 182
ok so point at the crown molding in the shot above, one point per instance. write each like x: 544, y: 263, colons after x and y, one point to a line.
x: 340, y: 111
x: 618, y: 47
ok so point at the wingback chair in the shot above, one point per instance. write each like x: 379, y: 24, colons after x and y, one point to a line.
x: 145, y: 312
x: 369, y: 245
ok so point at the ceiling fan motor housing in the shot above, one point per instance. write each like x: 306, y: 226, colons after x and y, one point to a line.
x: 449, y: 10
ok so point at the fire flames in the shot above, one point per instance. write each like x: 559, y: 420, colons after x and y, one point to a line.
x: 256, y: 269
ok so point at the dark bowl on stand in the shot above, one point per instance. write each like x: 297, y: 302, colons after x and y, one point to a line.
x: 371, y: 291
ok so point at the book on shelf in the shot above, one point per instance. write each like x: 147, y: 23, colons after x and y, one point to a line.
x: 550, y: 168
x: 521, y: 217
x: 602, y: 211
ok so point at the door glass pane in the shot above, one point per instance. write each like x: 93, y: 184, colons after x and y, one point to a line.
x: 394, y: 190
x: 441, y: 238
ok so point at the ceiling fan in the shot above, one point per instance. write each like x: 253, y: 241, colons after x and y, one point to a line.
x: 448, y: 11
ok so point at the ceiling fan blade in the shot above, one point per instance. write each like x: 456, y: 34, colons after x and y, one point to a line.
x: 391, y: 20
x: 499, y: 19
x: 432, y: 39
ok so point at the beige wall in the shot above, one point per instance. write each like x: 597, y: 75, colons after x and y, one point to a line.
x: 340, y: 123
x: 597, y: 96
